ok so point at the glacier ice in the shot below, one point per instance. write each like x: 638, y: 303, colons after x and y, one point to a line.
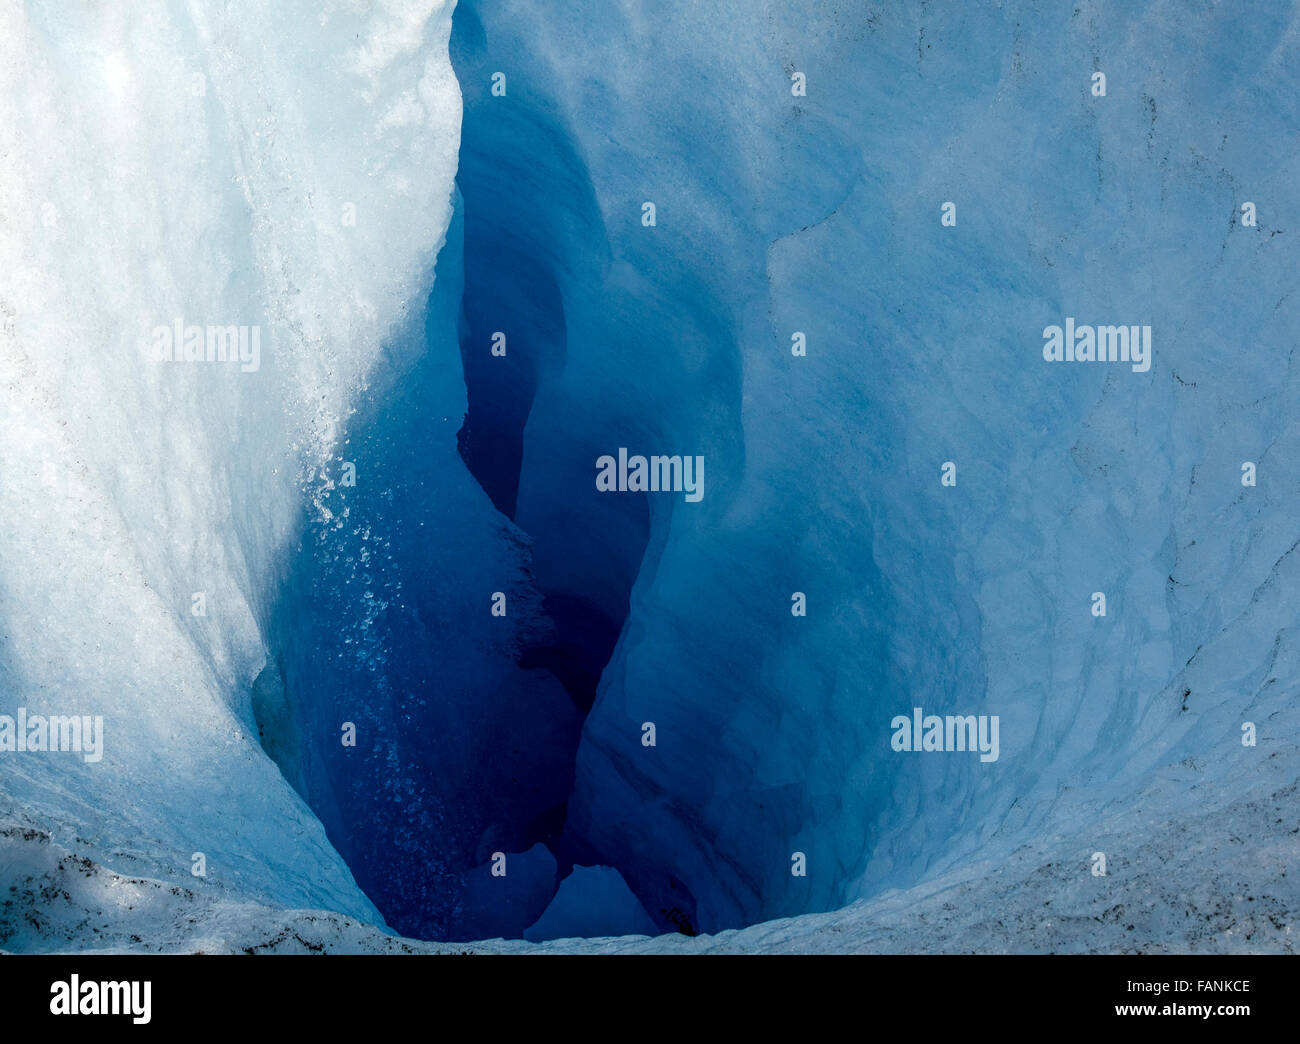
x: 193, y: 163
x: 384, y: 622
x: 294, y: 170
x: 592, y: 902
x: 820, y: 215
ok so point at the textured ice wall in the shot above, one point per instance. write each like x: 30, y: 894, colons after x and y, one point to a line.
x: 820, y: 214
x: 385, y: 623
x: 775, y: 214
x: 282, y: 166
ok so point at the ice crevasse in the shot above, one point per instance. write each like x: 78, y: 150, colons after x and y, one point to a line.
x: 306, y: 173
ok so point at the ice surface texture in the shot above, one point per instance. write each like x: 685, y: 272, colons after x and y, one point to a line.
x: 195, y: 162
x: 821, y: 214
x: 139, y: 198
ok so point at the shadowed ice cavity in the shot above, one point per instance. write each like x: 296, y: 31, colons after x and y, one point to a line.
x: 385, y: 622
x: 533, y: 233
x: 465, y: 739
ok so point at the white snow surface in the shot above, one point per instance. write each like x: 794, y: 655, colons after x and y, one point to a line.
x: 1157, y: 896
